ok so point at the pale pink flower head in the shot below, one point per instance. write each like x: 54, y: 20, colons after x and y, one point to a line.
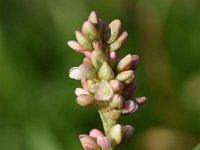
x: 103, y: 91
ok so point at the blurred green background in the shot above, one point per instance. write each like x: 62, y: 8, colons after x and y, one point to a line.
x: 37, y: 102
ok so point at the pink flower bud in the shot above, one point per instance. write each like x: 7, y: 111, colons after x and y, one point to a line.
x: 80, y: 91
x: 85, y: 100
x: 140, y: 100
x: 113, y: 55
x: 119, y: 42
x: 117, y: 102
x: 95, y: 133
x: 83, y: 41
x: 125, y: 63
x: 130, y: 107
x: 98, y: 58
x: 75, y: 45
x: 113, y: 33
x: 104, y: 142
x: 116, y: 85
x: 89, y: 30
x: 127, y: 133
x: 93, y: 17
x: 87, y: 71
x: 75, y: 73
x: 88, y: 143
x: 125, y: 76
x: 115, y: 134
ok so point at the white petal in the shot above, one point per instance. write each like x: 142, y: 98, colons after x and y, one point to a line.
x: 75, y: 73
x: 80, y: 91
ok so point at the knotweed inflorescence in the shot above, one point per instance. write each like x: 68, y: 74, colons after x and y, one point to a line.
x: 107, y: 81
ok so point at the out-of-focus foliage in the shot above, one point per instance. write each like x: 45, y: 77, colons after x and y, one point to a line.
x: 37, y: 102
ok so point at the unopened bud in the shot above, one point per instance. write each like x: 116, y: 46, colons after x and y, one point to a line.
x: 85, y: 100
x: 129, y: 107
x: 140, y: 100
x: 105, y: 72
x: 93, y: 17
x: 83, y: 41
x: 80, y: 91
x: 104, y: 142
x: 75, y: 73
x: 116, y: 85
x: 87, y: 71
x: 127, y: 133
x: 117, y: 102
x: 125, y: 75
x: 119, y: 42
x: 88, y: 143
x: 113, y: 33
x: 129, y: 91
x: 90, y: 83
x: 95, y: 133
x: 89, y: 30
x: 75, y: 45
x: 115, y: 134
x: 98, y: 58
x: 125, y: 63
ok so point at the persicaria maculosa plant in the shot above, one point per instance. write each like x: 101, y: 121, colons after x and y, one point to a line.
x: 107, y: 81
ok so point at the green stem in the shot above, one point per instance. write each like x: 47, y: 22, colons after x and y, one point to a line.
x: 108, y: 123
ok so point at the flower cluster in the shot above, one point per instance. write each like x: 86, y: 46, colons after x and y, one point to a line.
x: 107, y: 81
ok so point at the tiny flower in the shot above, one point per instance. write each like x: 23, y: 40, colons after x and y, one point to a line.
x: 88, y: 143
x: 95, y: 133
x: 125, y: 76
x: 113, y: 33
x: 98, y: 58
x: 103, y: 91
x: 129, y: 107
x: 89, y: 30
x: 88, y: 54
x: 83, y: 41
x: 75, y: 73
x: 116, y: 85
x: 87, y: 71
x: 115, y: 134
x: 127, y: 133
x: 104, y: 142
x: 93, y: 18
x: 140, y: 100
x: 119, y: 42
x: 75, y: 45
x: 105, y: 72
x: 117, y: 102
x: 125, y: 63
x: 80, y: 91
x: 85, y: 100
